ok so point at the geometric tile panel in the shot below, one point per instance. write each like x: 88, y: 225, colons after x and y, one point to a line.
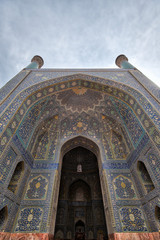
x: 22, y: 151
x: 132, y: 220
x: 124, y: 188
x: 79, y: 99
x: 115, y: 146
x: 29, y: 220
x: 155, y: 163
x: 27, y: 126
x: 43, y: 143
x: 143, y: 142
x: 37, y: 188
x: 6, y: 164
x: 118, y: 145
x: 132, y: 124
x: 81, y: 124
x: 41, y: 147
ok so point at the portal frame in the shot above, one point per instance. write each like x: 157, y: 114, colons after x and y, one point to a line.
x: 93, y: 147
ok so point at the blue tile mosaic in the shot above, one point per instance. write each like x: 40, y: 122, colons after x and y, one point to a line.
x: 132, y: 220
x: 109, y: 108
x: 124, y: 188
x: 37, y: 188
x: 25, y: 154
x: 29, y: 220
x: 6, y: 164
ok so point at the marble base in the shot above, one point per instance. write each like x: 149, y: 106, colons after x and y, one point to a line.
x: 25, y: 236
x: 135, y: 236
x: 4, y: 236
x: 46, y: 236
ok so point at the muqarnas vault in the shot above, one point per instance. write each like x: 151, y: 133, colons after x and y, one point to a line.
x: 80, y: 154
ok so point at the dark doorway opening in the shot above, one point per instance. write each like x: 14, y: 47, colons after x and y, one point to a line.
x: 80, y: 212
x: 79, y: 230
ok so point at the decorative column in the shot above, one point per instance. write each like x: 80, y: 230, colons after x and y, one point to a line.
x: 122, y: 62
x: 36, y: 62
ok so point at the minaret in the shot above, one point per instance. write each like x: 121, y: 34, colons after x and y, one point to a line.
x: 36, y: 62
x: 122, y: 62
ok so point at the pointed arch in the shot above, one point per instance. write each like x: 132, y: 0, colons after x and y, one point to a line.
x: 42, y: 91
x: 80, y: 141
x: 79, y: 226
x: 157, y: 216
x: 145, y: 177
x: 3, y: 216
x: 79, y: 191
x: 60, y: 216
x: 16, y: 177
x: 41, y: 146
x: 119, y: 148
x: 69, y: 235
x: 59, y: 234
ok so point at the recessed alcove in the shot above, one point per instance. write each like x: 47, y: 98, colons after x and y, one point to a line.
x: 3, y: 216
x: 80, y: 197
x: 16, y: 177
x: 157, y: 215
x: 145, y: 177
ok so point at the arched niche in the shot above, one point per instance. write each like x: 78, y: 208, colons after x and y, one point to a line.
x: 16, y: 177
x: 90, y: 234
x: 59, y: 235
x: 42, y: 142
x: 119, y: 147
x: 60, y: 216
x: 80, y: 230
x: 3, y: 216
x: 78, y: 190
x: 157, y: 216
x: 83, y: 142
x: 69, y: 235
x: 145, y: 177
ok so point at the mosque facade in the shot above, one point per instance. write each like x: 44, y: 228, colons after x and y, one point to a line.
x: 80, y: 154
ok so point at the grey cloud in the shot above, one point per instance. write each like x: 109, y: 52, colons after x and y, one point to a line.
x: 73, y: 33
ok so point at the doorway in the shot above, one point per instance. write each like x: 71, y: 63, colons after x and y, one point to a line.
x: 79, y: 230
x: 80, y: 212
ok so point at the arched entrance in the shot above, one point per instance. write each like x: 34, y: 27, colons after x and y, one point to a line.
x: 80, y: 212
x: 79, y: 230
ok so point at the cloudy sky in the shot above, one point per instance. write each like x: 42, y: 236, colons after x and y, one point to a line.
x: 79, y: 34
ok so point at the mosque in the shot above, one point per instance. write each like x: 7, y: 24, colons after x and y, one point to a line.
x: 80, y: 154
